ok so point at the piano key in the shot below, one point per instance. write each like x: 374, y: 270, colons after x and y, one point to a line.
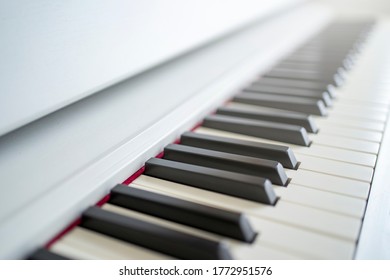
x: 317, y: 95
x: 277, y: 235
x: 324, y: 200
x: 44, y: 254
x: 322, y: 68
x: 325, y: 182
x: 255, y: 249
x: 337, y: 154
x: 280, y: 116
x: 336, y: 168
x: 319, y: 221
x: 270, y: 130
x: 346, y: 143
x: 348, y: 132
x: 272, y: 170
x: 298, y: 104
x: 355, y: 114
x: 350, y: 99
x: 226, y: 223
x: 81, y: 243
x: 330, y: 57
x: 295, y: 240
x: 353, y: 123
x: 279, y: 153
x: 362, y: 107
x: 378, y: 100
x: 304, y: 75
x: 295, y: 83
x: 152, y: 236
x: 337, y: 79
x: 313, y: 58
x: 230, y: 183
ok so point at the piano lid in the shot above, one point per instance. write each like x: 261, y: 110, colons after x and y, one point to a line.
x: 54, y: 53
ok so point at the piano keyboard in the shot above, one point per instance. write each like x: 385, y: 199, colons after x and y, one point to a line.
x: 281, y: 171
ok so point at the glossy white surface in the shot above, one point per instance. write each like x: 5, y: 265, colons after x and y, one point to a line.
x: 54, y: 53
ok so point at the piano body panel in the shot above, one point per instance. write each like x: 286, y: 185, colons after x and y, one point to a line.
x: 374, y: 241
x: 54, y: 168
x: 65, y: 51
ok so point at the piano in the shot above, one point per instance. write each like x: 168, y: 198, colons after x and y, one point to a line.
x: 260, y: 132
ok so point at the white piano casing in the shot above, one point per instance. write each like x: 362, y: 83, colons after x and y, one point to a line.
x: 54, y: 53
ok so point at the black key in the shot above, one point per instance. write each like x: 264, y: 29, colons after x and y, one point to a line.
x: 304, y: 75
x: 295, y: 83
x: 329, y: 57
x: 325, y: 66
x: 312, y: 94
x: 291, y: 83
x: 334, y: 80
x: 282, y: 154
x: 272, y: 115
x: 221, y: 181
x: 269, y: 169
x: 154, y: 237
x: 313, y: 58
x: 44, y: 254
x: 322, y: 68
x: 226, y: 223
x: 343, y: 63
x: 297, y: 104
x: 270, y: 130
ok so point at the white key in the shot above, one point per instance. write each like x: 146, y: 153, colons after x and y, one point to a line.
x: 336, y: 154
x: 345, y: 143
x: 315, y: 220
x: 82, y: 243
x: 351, y: 132
x: 380, y: 117
x: 362, y: 108
x: 324, y: 200
x: 329, y: 183
x: 275, y: 235
x: 357, y: 124
x: 367, y: 101
x: 336, y: 168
